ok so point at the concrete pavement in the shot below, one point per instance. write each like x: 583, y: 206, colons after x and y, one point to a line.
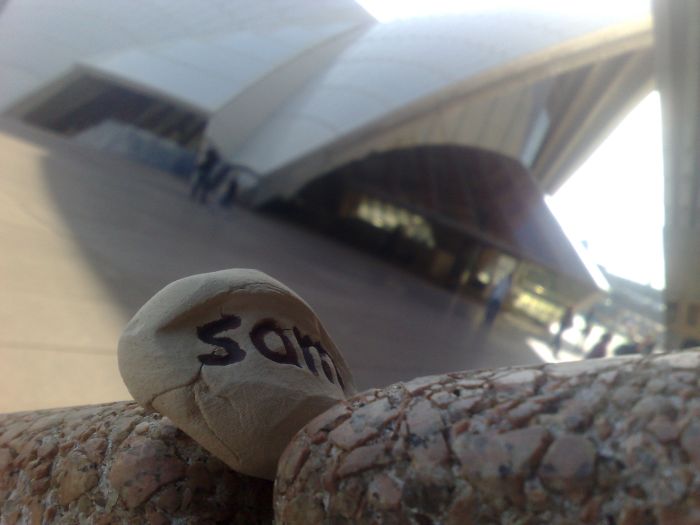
x: 87, y: 238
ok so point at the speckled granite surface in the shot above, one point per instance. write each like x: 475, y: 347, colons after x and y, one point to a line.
x: 113, y: 464
x: 613, y: 441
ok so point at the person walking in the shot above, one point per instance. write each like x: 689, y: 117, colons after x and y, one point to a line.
x: 564, y: 324
x: 216, y: 178
x: 601, y: 347
x: 495, y: 301
x: 201, y: 183
x: 229, y: 196
x: 589, y: 319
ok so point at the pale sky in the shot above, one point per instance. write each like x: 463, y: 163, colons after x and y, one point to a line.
x: 390, y: 10
x: 615, y: 201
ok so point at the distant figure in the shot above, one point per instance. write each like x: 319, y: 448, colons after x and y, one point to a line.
x: 217, y: 177
x: 229, y: 196
x: 601, y: 347
x: 564, y: 324
x: 201, y: 183
x: 495, y: 300
x: 627, y: 349
x: 589, y: 319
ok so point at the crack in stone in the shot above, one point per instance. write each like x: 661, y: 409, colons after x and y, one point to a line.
x: 197, y: 395
x: 167, y: 391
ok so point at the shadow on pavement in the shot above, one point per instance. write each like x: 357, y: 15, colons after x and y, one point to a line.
x: 135, y: 231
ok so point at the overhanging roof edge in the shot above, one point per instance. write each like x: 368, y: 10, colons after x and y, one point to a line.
x: 574, y: 53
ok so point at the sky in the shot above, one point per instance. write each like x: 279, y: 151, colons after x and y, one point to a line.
x: 615, y: 201
x: 613, y: 204
x: 390, y: 10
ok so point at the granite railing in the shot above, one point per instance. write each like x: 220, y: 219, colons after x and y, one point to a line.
x: 610, y: 441
x: 112, y: 463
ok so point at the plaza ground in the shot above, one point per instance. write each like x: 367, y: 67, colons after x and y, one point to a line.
x: 87, y: 238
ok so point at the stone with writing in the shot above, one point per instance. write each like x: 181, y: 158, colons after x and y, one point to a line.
x: 237, y: 360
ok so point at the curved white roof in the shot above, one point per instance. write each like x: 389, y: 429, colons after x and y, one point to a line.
x: 295, y: 88
x: 204, y: 71
x: 41, y: 40
x: 424, y: 81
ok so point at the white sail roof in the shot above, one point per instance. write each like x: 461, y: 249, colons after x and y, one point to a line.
x: 293, y: 89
